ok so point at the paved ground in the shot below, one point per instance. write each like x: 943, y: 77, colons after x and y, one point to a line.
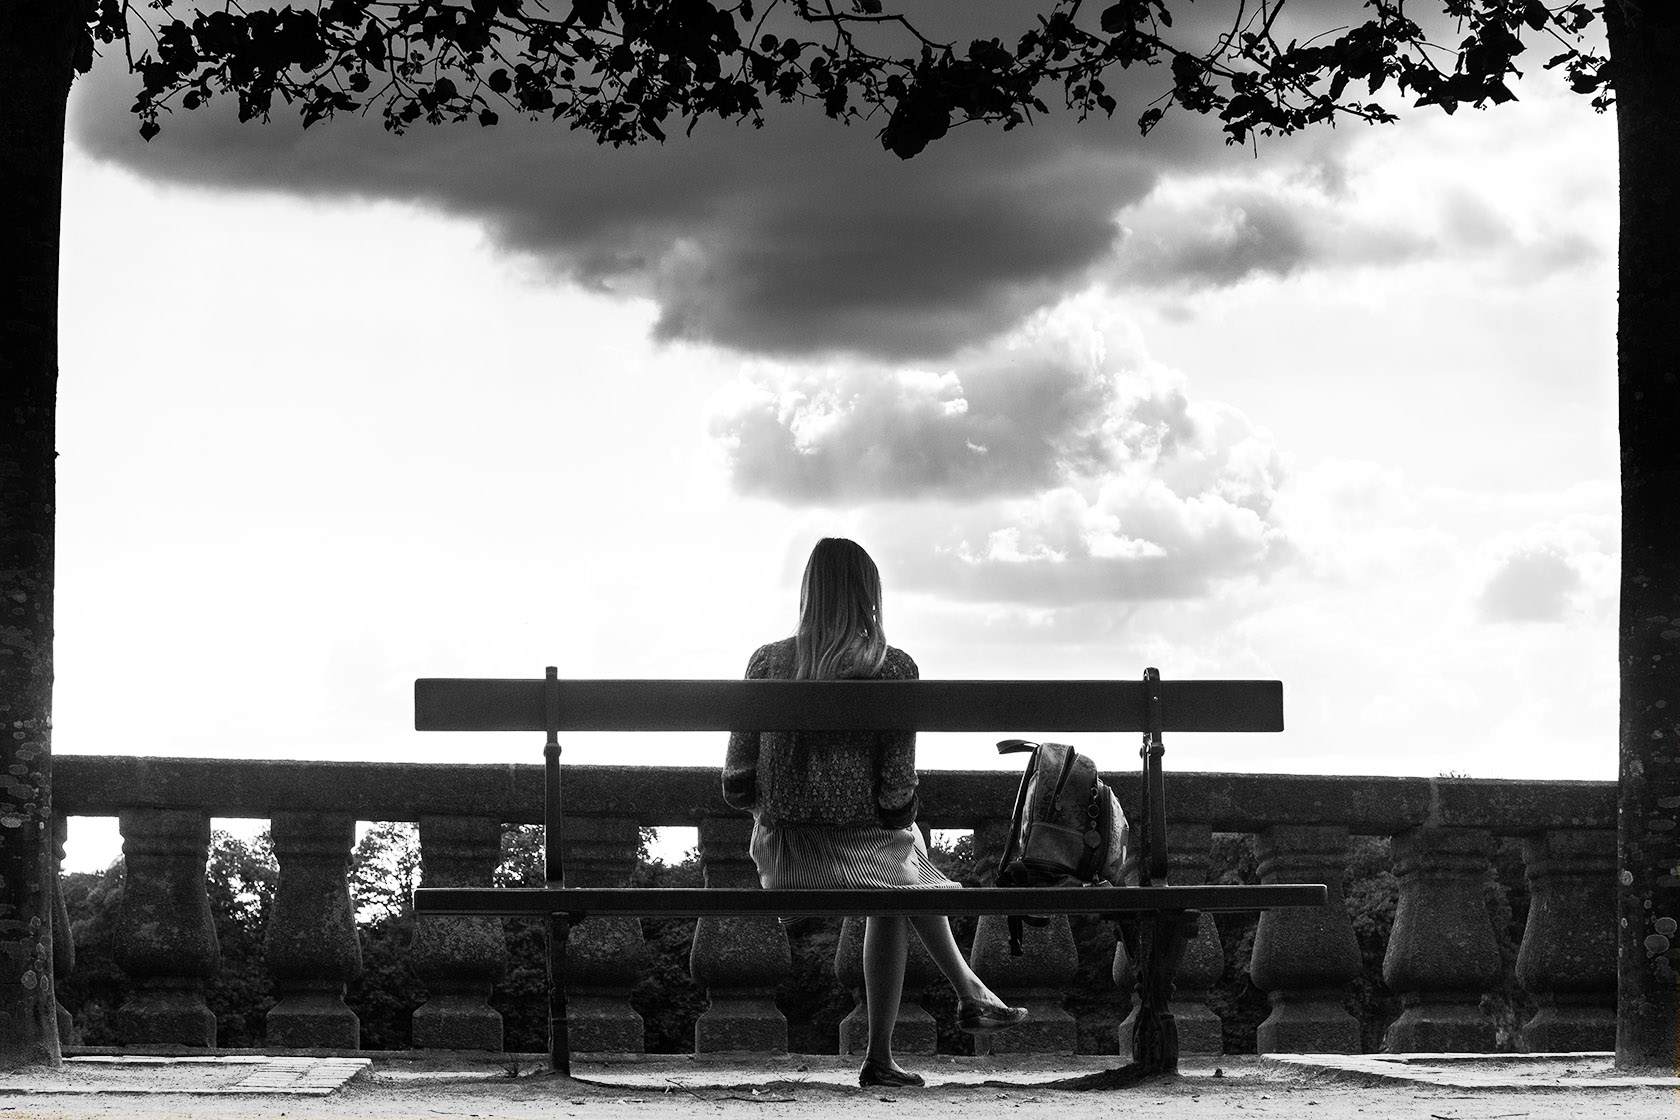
x: 233, y: 1086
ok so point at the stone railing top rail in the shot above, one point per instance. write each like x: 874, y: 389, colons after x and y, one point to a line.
x: 106, y: 785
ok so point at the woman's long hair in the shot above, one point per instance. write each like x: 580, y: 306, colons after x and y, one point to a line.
x: 840, y: 633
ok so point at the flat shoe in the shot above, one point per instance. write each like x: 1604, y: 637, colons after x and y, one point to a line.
x: 873, y: 1075
x: 985, y: 1018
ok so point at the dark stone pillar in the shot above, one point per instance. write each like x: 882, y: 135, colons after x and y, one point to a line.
x: 64, y: 946
x: 166, y: 941
x: 1568, y: 956
x: 1442, y: 955
x: 458, y: 959
x: 605, y: 956
x: 312, y: 946
x: 1035, y: 980
x: 739, y: 961
x: 1305, y: 958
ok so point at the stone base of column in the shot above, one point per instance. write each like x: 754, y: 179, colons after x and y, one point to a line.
x: 1440, y: 1027
x: 1200, y: 1031
x: 741, y: 1022
x: 604, y: 1025
x: 1565, y: 1027
x: 313, y: 1020
x: 1049, y: 1029
x: 457, y: 1021
x: 1307, y: 1022
x: 916, y: 1032
x: 165, y: 1013
x: 67, y: 1034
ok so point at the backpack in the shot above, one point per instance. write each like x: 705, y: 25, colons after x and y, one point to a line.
x: 1068, y: 829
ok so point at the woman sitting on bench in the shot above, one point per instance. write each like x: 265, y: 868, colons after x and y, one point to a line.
x: 838, y: 809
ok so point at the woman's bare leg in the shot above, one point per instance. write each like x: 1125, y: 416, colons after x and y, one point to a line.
x: 935, y: 932
x: 886, y: 941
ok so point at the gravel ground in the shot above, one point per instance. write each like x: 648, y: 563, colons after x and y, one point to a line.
x: 823, y: 1087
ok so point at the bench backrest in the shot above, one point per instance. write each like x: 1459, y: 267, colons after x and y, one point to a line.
x: 1150, y: 706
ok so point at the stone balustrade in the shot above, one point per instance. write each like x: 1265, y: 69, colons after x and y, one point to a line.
x: 1441, y: 959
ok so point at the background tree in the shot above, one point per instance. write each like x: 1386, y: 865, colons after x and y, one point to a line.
x: 626, y: 70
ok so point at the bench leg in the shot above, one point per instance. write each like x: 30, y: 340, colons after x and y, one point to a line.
x: 1163, y: 938
x: 1156, y: 943
x: 559, y: 1042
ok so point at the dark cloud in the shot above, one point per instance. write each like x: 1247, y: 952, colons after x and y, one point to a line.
x: 1531, y: 585
x: 800, y: 238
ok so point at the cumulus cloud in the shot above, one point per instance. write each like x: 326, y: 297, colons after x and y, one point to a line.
x: 1532, y: 585
x: 1553, y: 572
x: 1050, y: 468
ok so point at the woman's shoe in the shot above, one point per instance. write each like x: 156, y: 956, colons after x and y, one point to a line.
x: 985, y: 1018
x: 875, y: 1075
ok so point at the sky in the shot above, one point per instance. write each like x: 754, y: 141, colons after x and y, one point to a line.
x: 340, y: 409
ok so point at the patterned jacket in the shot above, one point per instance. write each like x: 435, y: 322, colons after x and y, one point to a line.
x: 841, y: 778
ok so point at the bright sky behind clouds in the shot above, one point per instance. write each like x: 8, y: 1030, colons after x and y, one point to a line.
x: 339, y: 410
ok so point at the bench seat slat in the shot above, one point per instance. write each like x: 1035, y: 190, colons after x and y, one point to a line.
x: 483, y: 704
x: 679, y: 902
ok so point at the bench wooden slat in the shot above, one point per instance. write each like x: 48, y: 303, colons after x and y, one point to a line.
x: 477, y: 704
x: 688, y: 902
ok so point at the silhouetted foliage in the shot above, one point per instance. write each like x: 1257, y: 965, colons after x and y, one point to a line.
x: 96, y: 986
x: 240, y: 878
x: 623, y: 70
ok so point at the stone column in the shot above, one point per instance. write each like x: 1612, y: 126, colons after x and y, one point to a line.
x: 311, y: 940
x: 64, y: 946
x: 739, y: 961
x: 1442, y: 955
x: 1568, y: 956
x: 1304, y: 959
x: 458, y: 959
x: 166, y: 941
x: 1035, y: 980
x: 605, y: 956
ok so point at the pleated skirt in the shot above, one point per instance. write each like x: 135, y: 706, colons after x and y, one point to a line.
x: 821, y: 857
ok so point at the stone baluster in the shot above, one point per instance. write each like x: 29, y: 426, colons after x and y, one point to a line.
x: 63, y: 945
x: 915, y: 1032
x: 739, y: 961
x: 1305, y: 958
x: 311, y: 941
x: 166, y: 941
x: 606, y: 956
x: 1442, y: 955
x: 1189, y: 846
x: 1568, y: 956
x: 1035, y: 980
x: 458, y: 959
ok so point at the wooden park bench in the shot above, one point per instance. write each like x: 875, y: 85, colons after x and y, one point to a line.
x: 1156, y: 920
